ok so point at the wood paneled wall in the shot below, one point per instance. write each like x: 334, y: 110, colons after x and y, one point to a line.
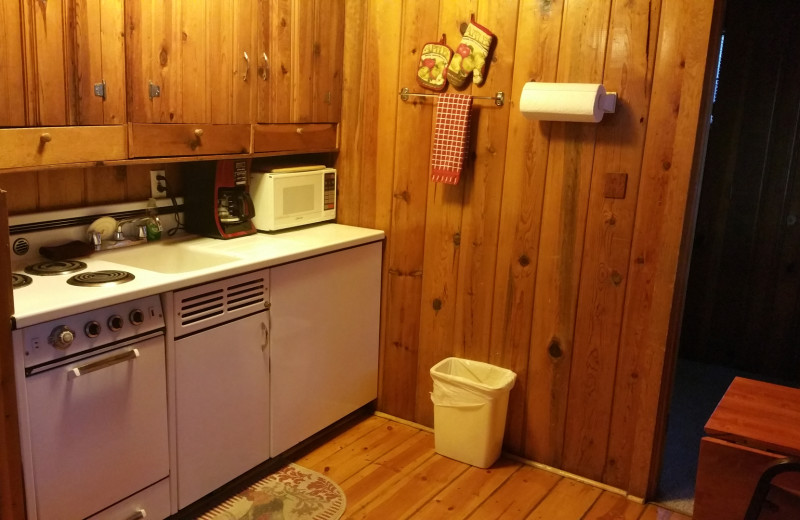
x: 532, y: 262
x: 52, y: 189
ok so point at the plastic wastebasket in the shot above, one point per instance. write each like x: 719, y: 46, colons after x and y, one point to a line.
x: 470, y: 402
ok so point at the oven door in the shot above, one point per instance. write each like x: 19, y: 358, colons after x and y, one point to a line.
x: 98, y: 433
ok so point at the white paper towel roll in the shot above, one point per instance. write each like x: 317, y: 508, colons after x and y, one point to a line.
x: 576, y: 102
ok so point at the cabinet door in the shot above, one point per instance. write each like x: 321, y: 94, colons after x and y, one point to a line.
x: 300, y: 60
x: 324, y: 345
x: 12, y: 84
x: 190, y: 61
x: 222, y: 404
x: 68, y: 48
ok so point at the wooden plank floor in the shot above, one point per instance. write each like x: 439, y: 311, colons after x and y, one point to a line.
x: 389, y: 470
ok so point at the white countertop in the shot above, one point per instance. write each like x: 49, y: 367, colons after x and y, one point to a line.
x: 50, y: 297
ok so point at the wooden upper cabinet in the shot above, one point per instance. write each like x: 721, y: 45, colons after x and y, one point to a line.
x: 300, y: 48
x: 62, y: 63
x: 191, y: 61
x: 12, y: 81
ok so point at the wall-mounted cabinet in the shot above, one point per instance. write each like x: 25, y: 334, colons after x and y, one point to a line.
x: 189, y: 63
x: 300, y: 61
x: 62, y: 63
x: 61, y: 67
x: 235, y: 72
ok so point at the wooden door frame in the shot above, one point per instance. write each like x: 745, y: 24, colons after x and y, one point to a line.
x: 687, y: 241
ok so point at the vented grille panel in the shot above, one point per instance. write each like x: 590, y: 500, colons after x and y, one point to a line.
x: 218, y: 302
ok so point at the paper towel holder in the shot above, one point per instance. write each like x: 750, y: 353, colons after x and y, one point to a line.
x: 599, y: 101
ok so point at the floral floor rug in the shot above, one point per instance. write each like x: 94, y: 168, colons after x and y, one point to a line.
x: 291, y: 493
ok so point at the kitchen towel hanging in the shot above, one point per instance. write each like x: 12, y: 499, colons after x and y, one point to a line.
x: 451, y: 137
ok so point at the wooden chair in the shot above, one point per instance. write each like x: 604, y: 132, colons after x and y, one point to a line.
x: 782, y: 503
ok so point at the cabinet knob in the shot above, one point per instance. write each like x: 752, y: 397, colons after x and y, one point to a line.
x: 299, y: 130
x: 45, y: 137
x: 198, y: 132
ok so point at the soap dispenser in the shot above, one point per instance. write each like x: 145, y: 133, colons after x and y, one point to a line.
x: 153, y: 225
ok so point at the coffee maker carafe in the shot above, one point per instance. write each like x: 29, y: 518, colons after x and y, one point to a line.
x: 217, y: 202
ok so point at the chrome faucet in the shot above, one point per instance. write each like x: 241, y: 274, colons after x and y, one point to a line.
x: 139, y: 222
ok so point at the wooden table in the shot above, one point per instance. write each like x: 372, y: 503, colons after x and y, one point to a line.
x: 753, y: 425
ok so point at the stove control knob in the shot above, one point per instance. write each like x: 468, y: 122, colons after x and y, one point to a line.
x: 61, y: 337
x: 136, y: 316
x: 92, y: 329
x: 115, y: 322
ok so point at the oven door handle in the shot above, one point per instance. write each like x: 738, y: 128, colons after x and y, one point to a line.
x: 103, y: 363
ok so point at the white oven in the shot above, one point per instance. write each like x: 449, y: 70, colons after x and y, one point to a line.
x: 93, y: 413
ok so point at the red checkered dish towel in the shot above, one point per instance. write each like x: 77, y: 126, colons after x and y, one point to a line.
x: 451, y: 137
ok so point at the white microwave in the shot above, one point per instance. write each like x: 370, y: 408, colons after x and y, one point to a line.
x: 284, y: 199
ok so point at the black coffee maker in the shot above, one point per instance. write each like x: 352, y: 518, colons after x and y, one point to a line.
x: 216, y: 199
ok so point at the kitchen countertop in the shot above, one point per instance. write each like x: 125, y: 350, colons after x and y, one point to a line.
x: 247, y: 253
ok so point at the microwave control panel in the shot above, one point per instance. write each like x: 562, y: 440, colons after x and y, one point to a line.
x: 330, y: 190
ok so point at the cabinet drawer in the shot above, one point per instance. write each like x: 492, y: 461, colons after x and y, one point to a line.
x: 164, y: 140
x: 41, y: 146
x: 291, y: 137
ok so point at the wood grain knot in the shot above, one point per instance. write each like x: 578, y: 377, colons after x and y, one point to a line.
x: 554, y: 349
x: 666, y: 165
x: 524, y: 261
x: 616, y: 278
x: 457, y: 239
x: 405, y: 195
x: 437, y: 304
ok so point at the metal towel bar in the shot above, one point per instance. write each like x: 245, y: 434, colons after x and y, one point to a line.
x: 499, y: 98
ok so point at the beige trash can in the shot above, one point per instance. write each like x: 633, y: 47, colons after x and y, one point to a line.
x: 470, y: 402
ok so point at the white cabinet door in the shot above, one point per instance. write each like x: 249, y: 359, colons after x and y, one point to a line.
x: 325, y: 316
x: 222, y: 404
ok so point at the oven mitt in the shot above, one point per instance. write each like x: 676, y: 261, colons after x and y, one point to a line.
x: 470, y: 56
x: 433, y: 64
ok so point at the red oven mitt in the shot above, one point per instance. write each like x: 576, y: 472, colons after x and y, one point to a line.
x: 432, y: 72
x: 471, y: 54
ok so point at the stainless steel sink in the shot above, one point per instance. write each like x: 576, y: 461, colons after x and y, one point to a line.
x: 167, y: 257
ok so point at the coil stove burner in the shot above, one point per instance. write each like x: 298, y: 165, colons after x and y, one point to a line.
x: 20, y: 280
x: 54, y: 267
x: 100, y: 278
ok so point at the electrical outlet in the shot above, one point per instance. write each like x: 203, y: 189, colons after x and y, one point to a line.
x: 158, y: 184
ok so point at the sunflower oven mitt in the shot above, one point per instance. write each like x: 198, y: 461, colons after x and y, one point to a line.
x: 433, y: 64
x: 470, y: 57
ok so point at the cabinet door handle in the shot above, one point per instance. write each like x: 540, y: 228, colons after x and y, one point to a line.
x: 103, y: 363
x: 265, y: 70
x: 265, y: 330
x: 246, y: 66
x: 198, y: 132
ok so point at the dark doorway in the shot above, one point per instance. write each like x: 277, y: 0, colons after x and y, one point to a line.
x: 742, y: 312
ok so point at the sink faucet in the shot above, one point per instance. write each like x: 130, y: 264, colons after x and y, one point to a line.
x: 139, y: 222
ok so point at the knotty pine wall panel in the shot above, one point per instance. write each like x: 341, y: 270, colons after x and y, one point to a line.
x: 53, y: 189
x: 530, y: 262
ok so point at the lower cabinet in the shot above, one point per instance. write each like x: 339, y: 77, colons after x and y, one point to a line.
x: 324, y: 341
x: 151, y: 502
